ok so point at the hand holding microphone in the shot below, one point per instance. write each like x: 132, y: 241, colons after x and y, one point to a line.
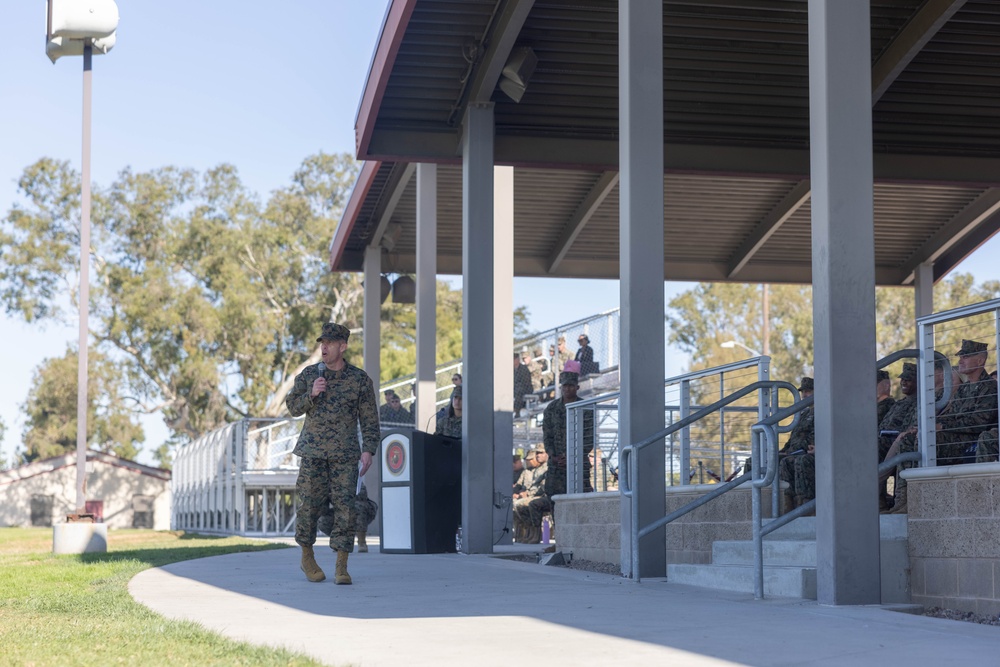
x: 319, y: 384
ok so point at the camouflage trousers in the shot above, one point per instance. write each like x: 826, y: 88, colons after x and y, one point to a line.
x: 800, y: 473
x: 534, y: 510
x: 907, y: 444
x: 323, y: 483
x: 523, y: 515
x: 989, y: 447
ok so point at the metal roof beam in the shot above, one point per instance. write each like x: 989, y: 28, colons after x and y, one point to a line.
x: 581, y: 216
x: 792, y: 202
x: 398, y: 180
x: 602, y: 154
x: 954, y: 231
x: 894, y: 59
x: 901, y: 51
x: 501, y: 41
x: 770, y: 272
x: 966, y: 246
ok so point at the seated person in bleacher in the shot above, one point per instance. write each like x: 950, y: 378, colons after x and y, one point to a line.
x: 900, y: 419
x: 973, y: 410
x: 393, y: 411
x: 530, y: 485
x: 883, y: 394
x: 801, y: 444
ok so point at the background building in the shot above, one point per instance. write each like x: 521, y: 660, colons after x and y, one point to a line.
x: 121, y: 493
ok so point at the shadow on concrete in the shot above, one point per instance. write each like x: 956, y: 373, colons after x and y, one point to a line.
x: 452, y: 605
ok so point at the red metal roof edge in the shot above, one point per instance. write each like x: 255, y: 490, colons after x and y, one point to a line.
x: 397, y: 17
x: 347, y: 221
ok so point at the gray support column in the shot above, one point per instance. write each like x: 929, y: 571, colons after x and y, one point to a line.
x: 372, y: 323
x: 503, y: 357
x: 640, y: 94
x: 923, y: 289
x: 371, y: 317
x: 847, y: 528
x: 477, y: 329
x: 426, y: 295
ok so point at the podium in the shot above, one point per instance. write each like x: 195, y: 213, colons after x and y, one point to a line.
x: 421, y: 494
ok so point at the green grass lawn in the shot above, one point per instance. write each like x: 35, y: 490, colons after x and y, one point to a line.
x: 76, y: 610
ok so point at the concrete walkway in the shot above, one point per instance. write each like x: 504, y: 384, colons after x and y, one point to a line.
x: 454, y: 609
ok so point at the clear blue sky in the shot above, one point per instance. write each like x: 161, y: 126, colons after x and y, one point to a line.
x: 195, y: 83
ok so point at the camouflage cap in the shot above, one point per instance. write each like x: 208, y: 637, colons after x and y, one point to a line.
x: 881, y: 374
x: 334, y: 331
x: 569, y: 377
x: 972, y: 347
x: 909, y: 372
x: 457, y: 391
x: 807, y: 384
x: 530, y: 456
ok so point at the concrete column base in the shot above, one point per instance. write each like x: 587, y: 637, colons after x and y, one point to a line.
x: 79, y: 538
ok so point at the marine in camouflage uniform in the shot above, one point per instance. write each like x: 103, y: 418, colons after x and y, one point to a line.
x: 886, y: 402
x: 522, y: 383
x: 791, y: 466
x: 392, y: 412
x: 970, y: 414
x: 328, y: 446
x: 532, y: 483
x: 451, y: 424
x: 973, y: 409
x: 988, y: 448
x: 900, y: 419
x: 903, y: 415
x: 554, y: 440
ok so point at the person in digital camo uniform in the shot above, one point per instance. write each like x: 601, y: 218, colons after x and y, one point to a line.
x: 335, y: 397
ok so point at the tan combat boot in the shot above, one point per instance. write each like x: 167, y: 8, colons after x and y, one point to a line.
x: 341, y: 576
x: 309, y: 566
x: 362, y: 545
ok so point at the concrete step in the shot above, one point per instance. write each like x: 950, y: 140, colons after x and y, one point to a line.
x: 803, y: 528
x: 787, y: 582
x: 801, y: 553
x: 892, y: 527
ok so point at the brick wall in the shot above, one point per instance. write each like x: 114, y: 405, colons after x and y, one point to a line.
x: 954, y: 537
x: 588, y: 524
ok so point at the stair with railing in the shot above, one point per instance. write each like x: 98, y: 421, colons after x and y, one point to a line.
x: 790, y: 562
x: 781, y: 560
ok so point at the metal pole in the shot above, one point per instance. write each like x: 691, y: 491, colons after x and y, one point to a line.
x: 81, y: 391
x: 766, y: 333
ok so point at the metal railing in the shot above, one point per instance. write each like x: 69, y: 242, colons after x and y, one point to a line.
x: 685, y: 394
x: 767, y: 395
x: 764, y: 468
x: 945, y: 331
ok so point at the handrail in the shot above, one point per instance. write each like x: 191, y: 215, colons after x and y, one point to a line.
x: 715, y: 370
x: 765, y: 430
x: 948, y: 384
x: 810, y: 506
x: 721, y: 403
x: 629, y: 469
x: 695, y: 504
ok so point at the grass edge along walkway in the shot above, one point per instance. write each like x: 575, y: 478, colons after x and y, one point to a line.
x: 76, y: 609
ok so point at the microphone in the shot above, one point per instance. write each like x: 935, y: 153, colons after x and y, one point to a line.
x: 321, y: 367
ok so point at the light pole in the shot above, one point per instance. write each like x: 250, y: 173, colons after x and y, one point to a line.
x: 73, y: 28
x: 730, y: 344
